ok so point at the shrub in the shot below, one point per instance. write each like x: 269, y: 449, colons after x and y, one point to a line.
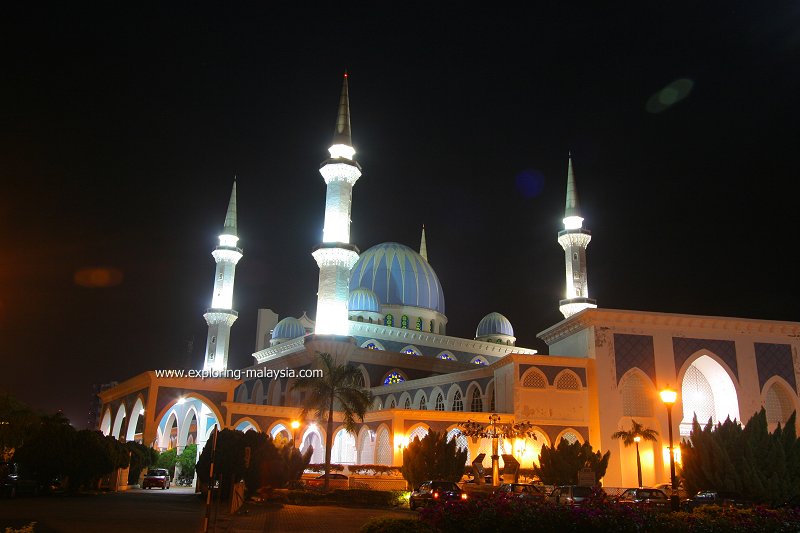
x: 433, y: 457
x: 395, y: 525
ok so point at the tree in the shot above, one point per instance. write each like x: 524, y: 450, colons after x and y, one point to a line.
x: 187, y: 459
x: 17, y: 421
x: 141, y: 457
x: 337, y: 389
x: 560, y: 465
x: 762, y: 466
x: 167, y: 459
x: 433, y: 457
x: 633, y: 436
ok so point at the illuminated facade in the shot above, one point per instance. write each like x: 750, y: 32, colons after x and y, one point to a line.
x: 383, y: 311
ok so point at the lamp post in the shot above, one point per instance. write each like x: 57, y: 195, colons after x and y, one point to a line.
x: 295, y: 424
x: 638, y: 459
x: 668, y: 397
x: 494, y: 418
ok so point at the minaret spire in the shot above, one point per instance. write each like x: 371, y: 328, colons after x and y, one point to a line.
x: 335, y: 256
x: 221, y: 315
x: 342, y: 134
x: 230, y: 216
x: 423, y: 248
x: 574, y: 239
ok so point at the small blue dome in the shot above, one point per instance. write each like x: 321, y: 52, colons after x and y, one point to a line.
x: 288, y: 328
x: 399, y: 276
x: 494, y: 324
x: 363, y: 300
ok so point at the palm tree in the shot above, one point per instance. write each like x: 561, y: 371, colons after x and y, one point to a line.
x: 637, y: 433
x: 337, y: 389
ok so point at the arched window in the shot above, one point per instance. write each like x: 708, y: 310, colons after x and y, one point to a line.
x: 408, y: 403
x: 570, y: 437
x: 446, y: 356
x: 423, y: 403
x: 476, y: 405
x: 779, y: 405
x: 458, y: 403
x: 388, y: 320
x: 419, y: 324
x: 418, y: 432
x: 404, y: 321
x: 439, y: 402
x: 392, y: 404
x: 392, y: 378
x: 479, y: 361
x: 358, y: 380
x: 534, y: 379
x: 568, y: 381
x: 636, y: 396
x: 371, y: 346
x: 411, y: 350
x: 432, y: 330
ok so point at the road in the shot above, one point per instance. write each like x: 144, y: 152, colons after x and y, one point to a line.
x: 177, y: 510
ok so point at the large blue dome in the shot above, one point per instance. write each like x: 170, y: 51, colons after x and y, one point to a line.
x: 493, y: 324
x: 288, y: 328
x: 398, y: 275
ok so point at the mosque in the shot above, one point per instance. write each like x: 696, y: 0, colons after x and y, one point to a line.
x: 383, y: 310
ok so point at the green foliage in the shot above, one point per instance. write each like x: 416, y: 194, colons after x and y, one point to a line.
x: 167, y: 459
x: 433, y: 457
x: 762, y: 466
x: 270, y: 466
x: 141, y: 457
x: 49, y: 448
x: 187, y: 460
x: 337, y: 389
x: 17, y: 421
x: 637, y: 430
x: 373, y: 469
x: 560, y: 465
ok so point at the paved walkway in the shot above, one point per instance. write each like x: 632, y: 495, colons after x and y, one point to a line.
x: 295, y: 518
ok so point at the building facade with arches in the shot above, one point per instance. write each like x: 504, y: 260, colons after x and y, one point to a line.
x: 383, y: 311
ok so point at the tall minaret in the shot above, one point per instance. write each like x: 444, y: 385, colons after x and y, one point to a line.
x: 574, y: 239
x: 221, y: 316
x: 335, y: 255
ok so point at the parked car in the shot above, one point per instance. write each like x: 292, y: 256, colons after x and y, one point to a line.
x: 16, y: 479
x: 434, y: 492
x: 335, y: 481
x: 644, y: 498
x: 523, y: 491
x: 156, y: 477
x: 570, y: 494
x: 667, y: 488
x: 713, y: 497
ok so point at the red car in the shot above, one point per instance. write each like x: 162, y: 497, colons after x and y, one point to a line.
x: 156, y: 477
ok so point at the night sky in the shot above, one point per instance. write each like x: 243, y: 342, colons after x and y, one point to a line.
x: 121, y: 132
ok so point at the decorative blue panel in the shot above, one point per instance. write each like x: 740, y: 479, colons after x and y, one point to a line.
x: 774, y: 360
x: 634, y: 351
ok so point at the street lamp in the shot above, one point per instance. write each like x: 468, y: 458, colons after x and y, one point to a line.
x: 669, y: 396
x: 638, y: 459
x: 295, y: 424
x: 494, y: 418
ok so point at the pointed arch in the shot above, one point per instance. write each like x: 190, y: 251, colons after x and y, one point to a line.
x: 474, y: 398
x: 274, y: 392
x: 637, y: 393
x: 137, y: 413
x: 438, y: 399
x: 420, y: 401
x: 390, y: 402
x: 383, y: 446
x: 313, y: 437
x: 167, y: 440
x: 366, y: 446
x: 364, y: 376
x: 708, y: 389
x: 258, y: 393
x: 241, y: 393
x: 343, y: 450
x: 393, y: 377
x: 376, y: 404
x: 778, y: 401
x: 567, y: 380
x: 570, y: 435
x: 121, y: 415
x: 411, y: 350
x: 105, y: 423
x: 373, y: 344
x: 184, y: 427
x: 418, y: 431
x: 404, y: 401
x: 247, y: 424
x: 533, y: 378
